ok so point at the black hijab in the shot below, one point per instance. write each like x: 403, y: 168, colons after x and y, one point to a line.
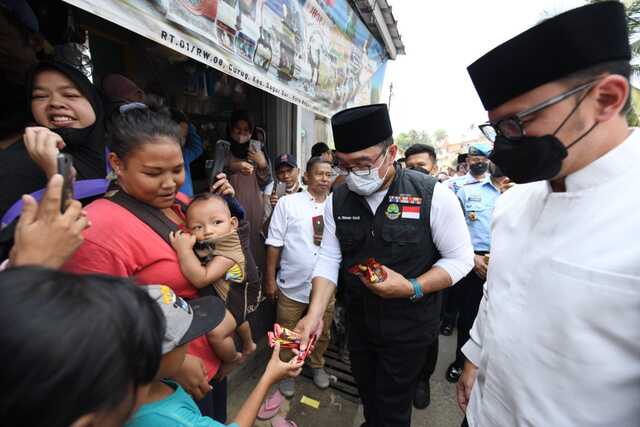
x: 86, y: 145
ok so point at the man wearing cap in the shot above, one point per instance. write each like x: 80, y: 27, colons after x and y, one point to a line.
x: 478, y: 197
x: 461, y: 176
x: 287, y: 172
x: 556, y: 340
x: 414, y: 227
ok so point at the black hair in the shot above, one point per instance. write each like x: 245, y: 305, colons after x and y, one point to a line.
x: 319, y: 148
x: 201, y: 197
x: 73, y: 344
x: 179, y: 116
x: 316, y: 161
x: 620, y: 67
x: 419, y: 149
x: 135, y: 124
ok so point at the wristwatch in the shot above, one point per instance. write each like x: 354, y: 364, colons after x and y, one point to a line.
x: 417, y: 289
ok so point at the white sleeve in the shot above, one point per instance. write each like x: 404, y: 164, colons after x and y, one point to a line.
x: 473, y: 347
x: 330, y: 257
x: 450, y: 234
x: 278, y: 225
x: 268, y: 189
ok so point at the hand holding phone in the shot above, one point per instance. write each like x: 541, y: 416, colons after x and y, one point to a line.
x: 65, y: 168
x: 255, y: 145
x: 256, y: 156
x: 281, y: 189
x: 215, y: 167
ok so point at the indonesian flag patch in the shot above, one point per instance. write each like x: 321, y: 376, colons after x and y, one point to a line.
x: 411, y: 212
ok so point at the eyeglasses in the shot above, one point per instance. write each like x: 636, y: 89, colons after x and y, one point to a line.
x: 511, y: 127
x: 359, y: 171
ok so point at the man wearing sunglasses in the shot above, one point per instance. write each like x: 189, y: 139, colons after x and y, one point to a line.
x: 414, y: 227
x: 556, y: 339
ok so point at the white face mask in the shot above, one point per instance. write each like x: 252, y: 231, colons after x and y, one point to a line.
x: 243, y: 138
x: 368, y: 184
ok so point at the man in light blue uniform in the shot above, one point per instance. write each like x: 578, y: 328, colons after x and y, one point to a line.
x: 478, y: 197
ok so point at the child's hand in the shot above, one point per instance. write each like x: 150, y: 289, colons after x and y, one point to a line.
x: 181, y: 241
x: 278, y: 370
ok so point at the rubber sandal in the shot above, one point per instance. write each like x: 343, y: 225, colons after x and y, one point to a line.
x: 281, y: 421
x: 271, y: 406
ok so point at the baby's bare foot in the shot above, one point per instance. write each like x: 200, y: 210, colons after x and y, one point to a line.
x: 228, y: 367
x: 248, y: 349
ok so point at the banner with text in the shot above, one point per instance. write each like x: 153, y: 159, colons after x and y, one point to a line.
x: 314, y: 53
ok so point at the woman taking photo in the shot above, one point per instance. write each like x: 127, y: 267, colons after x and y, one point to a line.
x: 249, y: 173
x: 146, y: 157
x: 67, y: 116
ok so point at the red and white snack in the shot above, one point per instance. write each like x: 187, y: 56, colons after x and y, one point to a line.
x: 290, y: 340
x: 372, y: 271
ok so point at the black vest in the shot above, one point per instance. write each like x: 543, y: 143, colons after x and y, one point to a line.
x: 396, y: 239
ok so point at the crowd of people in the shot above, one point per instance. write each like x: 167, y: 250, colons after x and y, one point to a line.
x: 131, y: 302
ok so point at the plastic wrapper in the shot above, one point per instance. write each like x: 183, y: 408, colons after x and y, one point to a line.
x: 371, y: 271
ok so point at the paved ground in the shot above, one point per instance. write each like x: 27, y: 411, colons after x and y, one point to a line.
x: 336, y: 410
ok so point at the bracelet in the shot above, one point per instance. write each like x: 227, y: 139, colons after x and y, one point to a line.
x: 417, y: 289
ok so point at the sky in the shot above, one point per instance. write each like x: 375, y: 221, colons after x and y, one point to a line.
x: 431, y: 87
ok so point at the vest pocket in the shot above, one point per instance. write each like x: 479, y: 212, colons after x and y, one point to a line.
x: 350, y: 240
x: 404, y: 232
x: 404, y: 238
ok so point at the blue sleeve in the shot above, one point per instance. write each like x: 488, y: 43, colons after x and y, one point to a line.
x: 461, y: 198
x: 208, y: 422
x: 160, y: 420
x: 193, y: 147
x: 154, y: 420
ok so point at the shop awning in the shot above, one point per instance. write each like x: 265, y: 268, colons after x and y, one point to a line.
x: 313, y: 53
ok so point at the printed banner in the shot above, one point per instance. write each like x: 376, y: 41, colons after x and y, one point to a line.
x: 314, y: 53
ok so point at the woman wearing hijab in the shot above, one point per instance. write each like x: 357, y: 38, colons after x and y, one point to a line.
x: 249, y: 173
x: 67, y: 116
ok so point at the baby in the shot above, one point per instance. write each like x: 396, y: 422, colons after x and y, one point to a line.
x: 211, y: 258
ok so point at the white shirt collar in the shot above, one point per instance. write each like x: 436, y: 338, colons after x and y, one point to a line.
x: 622, y: 158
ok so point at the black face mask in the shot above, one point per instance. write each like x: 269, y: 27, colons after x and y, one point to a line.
x: 478, y: 169
x: 533, y: 158
x: 74, y: 137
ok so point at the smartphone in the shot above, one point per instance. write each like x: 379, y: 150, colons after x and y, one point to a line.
x: 65, y: 168
x: 216, y: 166
x: 318, y: 229
x: 281, y: 189
x: 255, y: 145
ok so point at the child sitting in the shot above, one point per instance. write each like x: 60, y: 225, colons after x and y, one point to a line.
x: 168, y: 404
x: 211, y: 258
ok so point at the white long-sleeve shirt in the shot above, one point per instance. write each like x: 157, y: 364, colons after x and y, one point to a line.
x: 557, y: 336
x: 448, y: 230
x: 291, y: 229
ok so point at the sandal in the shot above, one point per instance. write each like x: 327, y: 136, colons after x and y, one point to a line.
x: 281, y: 421
x: 271, y: 406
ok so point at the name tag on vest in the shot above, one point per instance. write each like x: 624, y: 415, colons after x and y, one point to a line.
x: 348, y: 218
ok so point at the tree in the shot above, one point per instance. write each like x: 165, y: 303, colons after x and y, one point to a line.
x: 407, y: 139
x: 440, y: 135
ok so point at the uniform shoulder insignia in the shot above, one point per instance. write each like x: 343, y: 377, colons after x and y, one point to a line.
x: 472, y: 183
